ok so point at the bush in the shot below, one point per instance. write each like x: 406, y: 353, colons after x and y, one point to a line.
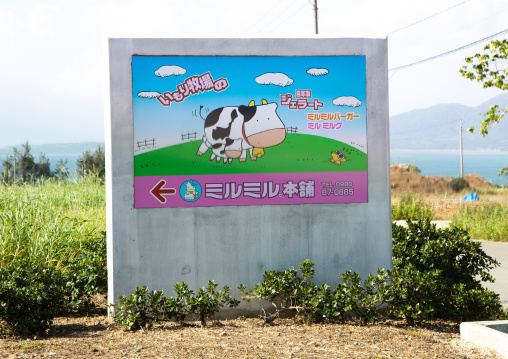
x: 208, y: 301
x: 142, y: 308
x: 86, y: 274
x: 287, y: 291
x: 413, y: 168
x: 458, y: 184
x: 438, y: 273
x: 31, y: 295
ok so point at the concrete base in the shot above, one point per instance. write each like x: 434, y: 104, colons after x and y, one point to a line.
x: 490, y: 334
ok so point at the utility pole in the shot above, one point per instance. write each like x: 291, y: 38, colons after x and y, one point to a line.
x: 315, y: 17
x: 15, y: 152
x: 461, y: 158
x: 84, y: 169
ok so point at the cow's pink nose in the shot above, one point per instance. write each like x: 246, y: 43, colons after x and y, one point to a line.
x: 267, y: 138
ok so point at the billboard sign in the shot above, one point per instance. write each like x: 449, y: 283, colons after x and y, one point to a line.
x: 249, y: 130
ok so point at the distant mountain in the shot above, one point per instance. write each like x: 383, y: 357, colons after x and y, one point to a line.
x: 437, y: 128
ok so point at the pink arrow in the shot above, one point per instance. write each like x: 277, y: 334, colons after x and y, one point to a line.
x: 159, y: 192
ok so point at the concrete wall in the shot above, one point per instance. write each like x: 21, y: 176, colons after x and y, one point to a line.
x: 231, y: 245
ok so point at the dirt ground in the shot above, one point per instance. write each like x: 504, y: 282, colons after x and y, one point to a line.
x: 402, y: 181
x: 434, y: 191
x: 94, y: 336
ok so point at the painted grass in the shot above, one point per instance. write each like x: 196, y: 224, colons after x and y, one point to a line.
x: 49, y: 221
x: 298, y: 153
x: 488, y: 222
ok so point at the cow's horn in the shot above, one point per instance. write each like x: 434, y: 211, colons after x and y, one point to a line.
x: 251, y: 103
x: 263, y: 101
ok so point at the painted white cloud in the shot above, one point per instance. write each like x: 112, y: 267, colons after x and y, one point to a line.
x: 168, y: 70
x: 350, y: 101
x: 148, y: 94
x: 274, y: 78
x: 317, y: 72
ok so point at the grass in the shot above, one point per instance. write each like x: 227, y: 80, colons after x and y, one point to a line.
x: 488, y: 222
x: 298, y: 153
x: 50, y: 221
x: 411, y: 207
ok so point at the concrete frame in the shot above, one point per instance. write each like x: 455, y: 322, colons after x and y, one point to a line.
x: 158, y: 247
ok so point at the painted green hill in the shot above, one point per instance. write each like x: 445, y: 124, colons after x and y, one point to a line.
x: 298, y: 153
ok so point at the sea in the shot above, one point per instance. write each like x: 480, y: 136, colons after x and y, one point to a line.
x: 446, y: 163
x: 70, y: 165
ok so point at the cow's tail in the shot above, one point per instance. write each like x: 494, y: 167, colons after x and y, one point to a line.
x: 200, y: 115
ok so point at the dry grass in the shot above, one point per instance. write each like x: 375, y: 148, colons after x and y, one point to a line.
x: 94, y: 336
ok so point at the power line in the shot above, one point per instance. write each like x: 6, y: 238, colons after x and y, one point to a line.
x: 283, y: 22
x: 277, y: 16
x: 263, y: 17
x: 448, y: 52
x: 428, y: 17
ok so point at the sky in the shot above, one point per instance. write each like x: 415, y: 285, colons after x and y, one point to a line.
x: 53, y: 57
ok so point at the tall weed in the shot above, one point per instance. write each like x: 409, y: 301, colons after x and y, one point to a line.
x: 50, y: 221
x: 489, y: 222
x: 411, y: 207
x: 52, y: 236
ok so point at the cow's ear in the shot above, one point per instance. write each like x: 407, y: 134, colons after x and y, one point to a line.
x: 251, y: 103
x: 264, y: 102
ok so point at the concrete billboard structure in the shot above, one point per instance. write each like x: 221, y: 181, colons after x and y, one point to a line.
x: 230, y: 157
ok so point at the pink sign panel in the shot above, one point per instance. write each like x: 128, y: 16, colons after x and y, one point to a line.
x: 252, y: 189
x: 241, y: 131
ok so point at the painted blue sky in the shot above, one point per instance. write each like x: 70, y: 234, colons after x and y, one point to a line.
x: 345, y: 77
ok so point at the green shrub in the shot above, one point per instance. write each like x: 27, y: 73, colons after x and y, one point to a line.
x: 86, y: 274
x: 413, y: 168
x: 31, y: 295
x: 410, y: 207
x: 331, y: 303
x: 142, y: 308
x: 208, y: 301
x: 438, y: 273
x: 458, y: 184
x: 287, y: 291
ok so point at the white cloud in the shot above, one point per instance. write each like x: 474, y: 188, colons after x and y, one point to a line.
x: 148, y: 94
x: 350, y: 101
x: 168, y: 70
x: 274, y: 78
x: 317, y: 72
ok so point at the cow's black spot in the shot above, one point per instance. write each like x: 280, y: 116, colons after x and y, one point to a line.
x: 216, y: 146
x: 248, y: 112
x: 229, y: 141
x: 213, y: 117
x: 234, y: 115
x: 221, y: 132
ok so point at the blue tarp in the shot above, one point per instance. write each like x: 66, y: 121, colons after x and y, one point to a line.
x: 470, y: 197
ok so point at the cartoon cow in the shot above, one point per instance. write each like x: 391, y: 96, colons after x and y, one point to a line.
x: 231, y: 132
x: 191, y: 192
